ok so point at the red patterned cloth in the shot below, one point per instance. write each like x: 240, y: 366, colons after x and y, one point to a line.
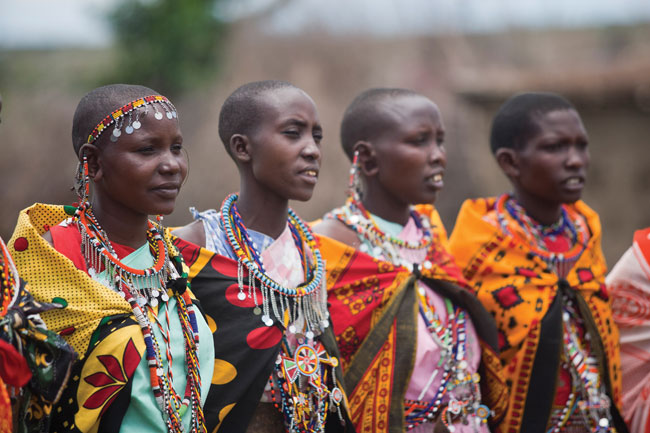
x: 374, y: 310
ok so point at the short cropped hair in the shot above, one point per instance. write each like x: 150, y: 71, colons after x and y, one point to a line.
x: 515, y: 122
x: 242, y: 111
x: 99, y: 103
x: 365, y: 118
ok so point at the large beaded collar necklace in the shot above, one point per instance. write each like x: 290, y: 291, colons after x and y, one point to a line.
x: 304, y: 301
x: 383, y: 246
x: 532, y: 233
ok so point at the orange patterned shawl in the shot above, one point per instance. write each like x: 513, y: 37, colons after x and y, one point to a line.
x: 519, y: 290
x: 373, y: 308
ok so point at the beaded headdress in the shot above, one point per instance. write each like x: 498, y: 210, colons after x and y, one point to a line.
x: 118, y: 117
x: 126, y: 117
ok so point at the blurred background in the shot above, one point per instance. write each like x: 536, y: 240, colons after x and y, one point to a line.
x: 466, y: 55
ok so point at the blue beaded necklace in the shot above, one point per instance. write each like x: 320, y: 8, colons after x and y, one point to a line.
x: 304, y: 300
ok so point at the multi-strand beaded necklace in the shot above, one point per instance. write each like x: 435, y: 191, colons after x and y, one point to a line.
x: 458, y: 387
x: 9, y: 278
x: 379, y: 244
x: 304, y: 301
x: 532, y: 233
x: 144, y: 289
x: 304, y: 386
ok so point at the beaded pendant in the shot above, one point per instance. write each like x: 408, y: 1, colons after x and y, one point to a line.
x: 304, y: 387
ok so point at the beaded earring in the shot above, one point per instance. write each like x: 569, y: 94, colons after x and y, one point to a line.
x: 354, y: 182
x: 82, y: 180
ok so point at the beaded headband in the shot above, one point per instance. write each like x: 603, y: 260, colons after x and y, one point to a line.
x: 118, y: 116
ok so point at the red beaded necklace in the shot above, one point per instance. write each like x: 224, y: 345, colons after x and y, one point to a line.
x: 514, y: 222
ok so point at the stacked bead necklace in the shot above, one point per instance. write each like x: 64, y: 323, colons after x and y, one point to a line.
x: 384, y: 247
x: 143, y: 289
x: 568, y: 225
x: 304, y: 301
x: 458, y: 387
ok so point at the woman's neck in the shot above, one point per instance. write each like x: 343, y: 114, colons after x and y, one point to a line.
x: 387, y: 208
x: 125, y: 228
x: 265, y: 214
x: 545, y: 213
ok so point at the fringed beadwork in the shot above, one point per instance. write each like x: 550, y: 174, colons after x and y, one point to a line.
x: 117, y: 117
x: 384, y: 247
x: 304, y: 301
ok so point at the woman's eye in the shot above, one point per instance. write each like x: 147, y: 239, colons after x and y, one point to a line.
x: 420, y: 139
x: 146, y: 149
x: 292, y: 133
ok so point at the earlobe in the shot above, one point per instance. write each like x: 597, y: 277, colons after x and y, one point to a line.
x: 367, y: 158
x: 507, y: 160
x: 240, y: 148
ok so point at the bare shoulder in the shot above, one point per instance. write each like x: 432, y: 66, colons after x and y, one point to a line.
x: 335, y: 229
x: 192, y: 232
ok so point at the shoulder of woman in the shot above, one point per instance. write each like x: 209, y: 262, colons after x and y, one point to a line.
x: 192, y: 232
x: 336, y: 230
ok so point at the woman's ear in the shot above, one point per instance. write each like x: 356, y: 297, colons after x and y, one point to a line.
x: 367, y: 159
x: 508, y: 161
x: 92, y: 152
x: 240, y: 148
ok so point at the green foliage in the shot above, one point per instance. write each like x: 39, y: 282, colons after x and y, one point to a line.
x: 169, y: 45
